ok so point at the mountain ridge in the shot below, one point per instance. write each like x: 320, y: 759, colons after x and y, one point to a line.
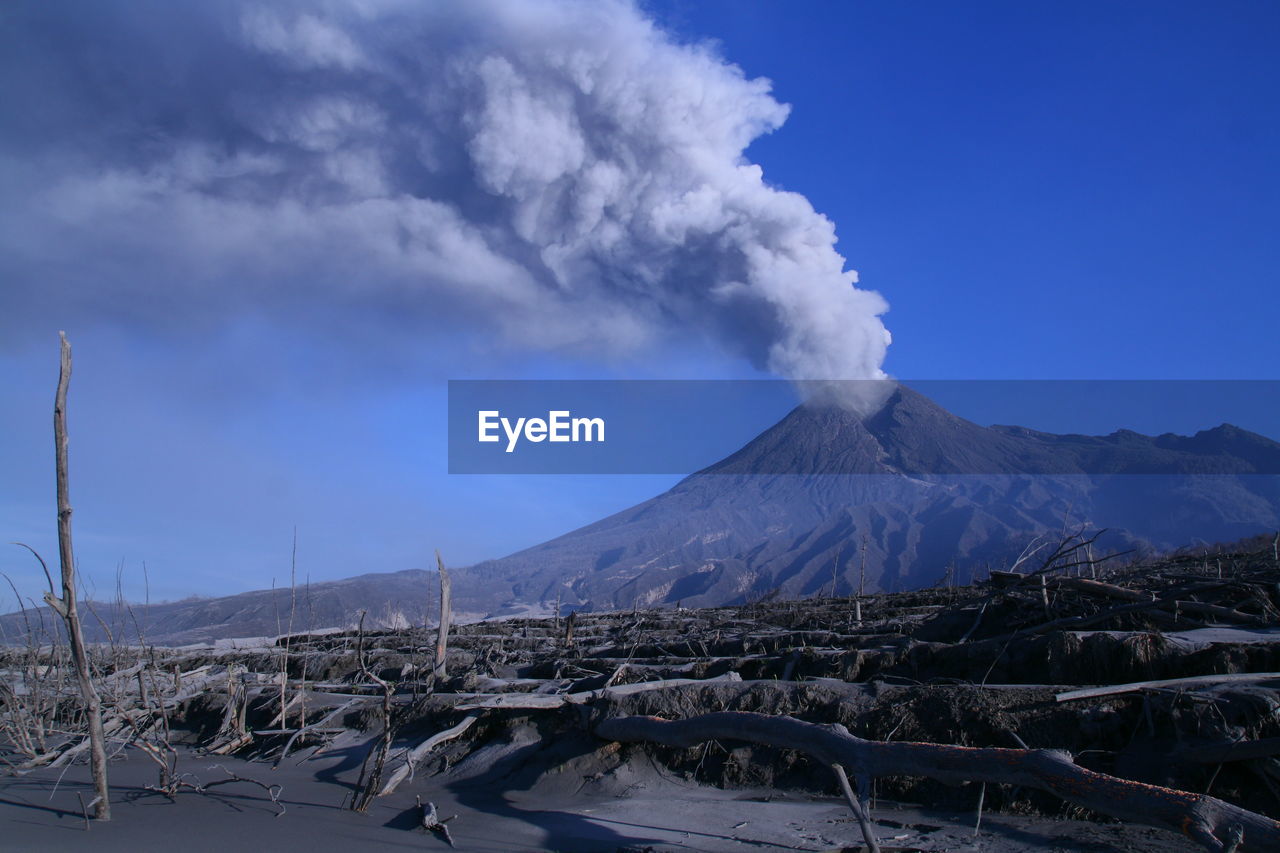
x: 823, y: 501
x: 921, y: 482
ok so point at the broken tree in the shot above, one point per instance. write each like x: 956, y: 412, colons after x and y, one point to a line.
x: 66, y: 605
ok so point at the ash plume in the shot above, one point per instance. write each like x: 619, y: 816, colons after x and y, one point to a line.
x: 565, y: 174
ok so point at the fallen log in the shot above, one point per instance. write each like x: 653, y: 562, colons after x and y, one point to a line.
x: 333, y: 730
x: 1212, y: 823
x: 413, y: 757
x: 543, y: 701
x: 71, y: 749
x: 1135, y: 686
x: 232, y: 744
x: 1105, y: 590
x: 522, y: 701
x: 1222, y: 613
x: 342, y: 688
x: 314, y: 727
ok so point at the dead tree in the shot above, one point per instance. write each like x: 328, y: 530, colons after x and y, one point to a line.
x: 32, y: 701
x: 288, y: 640
x: 568, y: 627
x: 429, y: 819
x: 370, y: 781
x: 446, y: 616
x: 66, y: 605
x: 1216, y: 825
x: 412, y: 757
x: 862, y: 571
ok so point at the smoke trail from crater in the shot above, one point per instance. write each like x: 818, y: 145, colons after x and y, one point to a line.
x: 562, y: 173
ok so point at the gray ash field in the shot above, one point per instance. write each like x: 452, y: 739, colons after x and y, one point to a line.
x: 1189, y: 647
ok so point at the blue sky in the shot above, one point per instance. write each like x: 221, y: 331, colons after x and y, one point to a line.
x: 1041, y: 191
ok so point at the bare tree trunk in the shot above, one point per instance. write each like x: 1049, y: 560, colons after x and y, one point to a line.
x: 66, y: 606
x: 862, y: 569
x: 368, y: 786
x: 568, y: 627
x: 288, y: 640
x: 864, y: 821
x: 1214, y: 824
x: 446, y: 616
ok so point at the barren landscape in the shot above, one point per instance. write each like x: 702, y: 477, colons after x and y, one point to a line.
x: 1026, y: 712
x: 639, y: 425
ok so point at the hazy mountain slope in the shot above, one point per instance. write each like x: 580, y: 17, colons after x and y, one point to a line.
x: 393, y: 599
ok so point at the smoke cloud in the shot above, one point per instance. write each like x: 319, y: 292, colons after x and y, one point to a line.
x: 562, y: 173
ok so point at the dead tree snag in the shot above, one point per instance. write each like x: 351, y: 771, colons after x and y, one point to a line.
x: 66, y: 605
x: 446, y: 616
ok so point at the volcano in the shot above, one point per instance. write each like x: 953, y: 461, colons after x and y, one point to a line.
x: 826, y: 501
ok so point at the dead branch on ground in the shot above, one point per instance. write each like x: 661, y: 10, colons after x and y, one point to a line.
x: 1208, y: 821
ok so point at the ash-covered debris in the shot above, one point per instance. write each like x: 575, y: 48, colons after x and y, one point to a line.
x: 1163, y: 672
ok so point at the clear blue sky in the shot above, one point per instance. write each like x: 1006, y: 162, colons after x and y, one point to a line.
x: 1038, y: 190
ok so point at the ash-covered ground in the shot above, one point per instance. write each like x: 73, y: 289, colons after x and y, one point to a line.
x: 1187, y: 645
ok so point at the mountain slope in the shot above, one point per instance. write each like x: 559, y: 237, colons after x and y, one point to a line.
x: 392, y: 600
x: 825, y: 499
x: 822, y: 501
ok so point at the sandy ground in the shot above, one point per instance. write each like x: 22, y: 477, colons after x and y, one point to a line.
x: 503, y: 802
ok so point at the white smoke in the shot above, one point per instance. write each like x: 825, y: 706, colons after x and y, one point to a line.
x: 564, y: 172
